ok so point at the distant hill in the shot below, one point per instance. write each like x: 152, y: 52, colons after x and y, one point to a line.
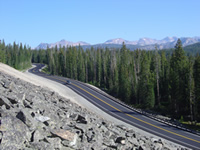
x: 60, y: 43
x: 193, y: 48
x: 143, y: 43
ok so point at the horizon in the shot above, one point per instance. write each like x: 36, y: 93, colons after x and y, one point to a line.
x: 93, y: 43
x: 35, y: 22
x: 118, y: 38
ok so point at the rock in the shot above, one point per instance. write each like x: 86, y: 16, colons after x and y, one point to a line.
x: 109, y: 143
x: 130, y: 133
x: 1, y: 135
x: 122, y: 127
x: 66, y: 135
x: 90, y: 135
x: 21, y: 97
x: 121, y: 140
x: 117, y: 131
x: 25, y: 116
x: 81, y: 119
x: 13, y: 129
x: 103, y: 128
x: 27, y: 104
x: 5, y: 101
x: 55, y: 142
x: 42, y: 118
x: 42, y: 145
x: 8, y: 147
x: 82, y: 127
x: 108, y: 134
x: 141, y: 148
x: 157, y: 146
x: 9, y: 84
x: 30, y: 96
x: 133, y: 140
x: 39, y: 134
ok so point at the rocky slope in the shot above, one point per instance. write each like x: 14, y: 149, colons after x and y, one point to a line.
x: 36, y: 118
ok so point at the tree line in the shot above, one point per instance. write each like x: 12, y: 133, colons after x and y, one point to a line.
x: 168, y: 83
x: 16, y: 55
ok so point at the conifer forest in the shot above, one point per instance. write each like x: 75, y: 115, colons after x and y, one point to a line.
x: 168, y: 83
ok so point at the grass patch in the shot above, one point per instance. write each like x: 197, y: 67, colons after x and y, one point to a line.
x: 46, y: 70
x: 24, y: 69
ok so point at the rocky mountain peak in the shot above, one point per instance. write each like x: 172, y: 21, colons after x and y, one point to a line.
x: 144, y: 43
x: 115, y: 41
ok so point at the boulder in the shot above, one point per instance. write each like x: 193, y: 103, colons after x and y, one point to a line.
x: 25, y: 116
x: 81, y: 119
x: 55, y: 142
x: 5, y: 101
x: 120, y: 140
x: 42, y: 118
x: 41, y: 145
x: 9, y: 84
x: 15, y: 133
x: 133, y: 141
x: 66, y: 135
x: 130, y: 133
x: 109, y: 142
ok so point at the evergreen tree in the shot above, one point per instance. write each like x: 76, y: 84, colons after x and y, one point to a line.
x: 146, y: 96
x: 178, y: 81
x: 124, y: 86
x: 17, y: 56
x: 2, y: 52
x: 164, y: 82
x: 80, y: 65
x: 98, y: 67
x: 197, y: 88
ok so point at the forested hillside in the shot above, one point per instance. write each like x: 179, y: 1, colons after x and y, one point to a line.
x: 193, y: 49
x: 147, y: 79
x: 17, y: 56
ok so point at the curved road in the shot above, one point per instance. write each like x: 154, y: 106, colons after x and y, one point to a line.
x: 125, y: 114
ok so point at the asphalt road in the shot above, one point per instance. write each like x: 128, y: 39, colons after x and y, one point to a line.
x: 125, y: 114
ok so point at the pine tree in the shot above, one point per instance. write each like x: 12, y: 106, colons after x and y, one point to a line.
x: 164, y: 81
x: 197, y: 88
x: 146, y: 96
x: 178, y: 81
x: 98, y: 69
x: 191, y: 94
x: 124, y: 86
x: 80, y: 65
x: 62, y: 62
x: 2, y: 52
x: 157, y: 71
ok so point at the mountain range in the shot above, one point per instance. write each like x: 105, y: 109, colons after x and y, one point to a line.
x: 143, y: 43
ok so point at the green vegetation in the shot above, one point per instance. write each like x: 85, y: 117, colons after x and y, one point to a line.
x: 17, y: 56
x: 192, y: 49
x: 45, y: 70
x: 164, y: 81
x: 167, y: 82
x: 192, y: 125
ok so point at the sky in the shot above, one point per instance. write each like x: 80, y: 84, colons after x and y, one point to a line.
x: 32, y: 22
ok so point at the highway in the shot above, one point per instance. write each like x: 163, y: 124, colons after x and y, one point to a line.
x: 125, y: 114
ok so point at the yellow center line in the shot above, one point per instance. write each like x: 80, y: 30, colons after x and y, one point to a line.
x: 131, y: 115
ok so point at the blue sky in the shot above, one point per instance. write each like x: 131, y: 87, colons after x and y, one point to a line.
x: 34, y: 21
